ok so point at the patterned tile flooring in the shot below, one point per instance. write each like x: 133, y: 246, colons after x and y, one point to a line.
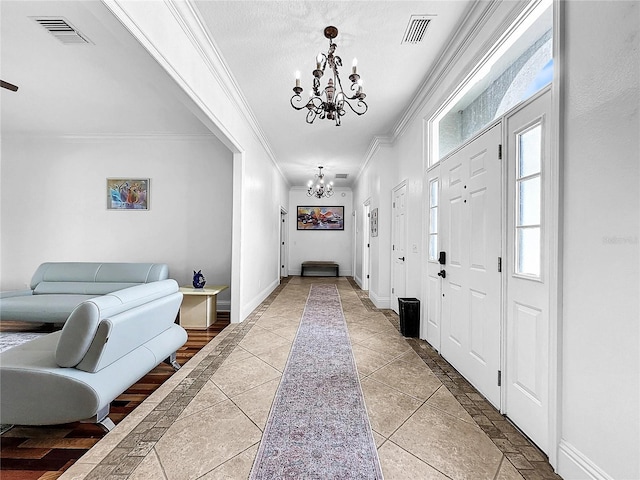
x: 206, y: 421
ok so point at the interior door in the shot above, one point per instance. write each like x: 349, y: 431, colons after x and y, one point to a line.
x: 471, y: 229
x: 530, y: 209
x: 366, y: 245
x: 399, y: 245
x: 283, y: 244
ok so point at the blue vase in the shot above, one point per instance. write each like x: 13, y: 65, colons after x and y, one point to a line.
x: 198, y: 279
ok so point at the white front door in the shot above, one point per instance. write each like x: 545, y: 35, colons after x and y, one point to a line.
x: 434, y: 268
x: 399, y: 247
x: 470, y: 233
x: 529, y: 216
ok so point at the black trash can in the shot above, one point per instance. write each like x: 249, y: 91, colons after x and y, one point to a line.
x: 409, y: 316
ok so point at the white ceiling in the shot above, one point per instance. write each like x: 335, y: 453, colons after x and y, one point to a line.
x: 113, y: 86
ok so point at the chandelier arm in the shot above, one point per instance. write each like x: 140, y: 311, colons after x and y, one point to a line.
x: 298, y: 100
x: 311, y: 115
x: 360, y: 108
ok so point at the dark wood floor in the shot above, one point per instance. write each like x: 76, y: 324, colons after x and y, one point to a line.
x: 44, y: 453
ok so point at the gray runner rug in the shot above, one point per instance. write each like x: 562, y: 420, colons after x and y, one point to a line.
x: 318, y: 427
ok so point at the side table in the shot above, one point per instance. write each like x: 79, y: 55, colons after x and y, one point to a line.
x: 198, y: 309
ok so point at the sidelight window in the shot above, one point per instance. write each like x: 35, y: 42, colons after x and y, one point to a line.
x: 529, y: 201
x: 433, y: 220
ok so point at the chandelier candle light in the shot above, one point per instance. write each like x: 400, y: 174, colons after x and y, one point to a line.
x: 331, y: 102
x: 320, y: 190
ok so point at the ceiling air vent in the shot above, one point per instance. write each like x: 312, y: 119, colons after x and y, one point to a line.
x: 341, y: 175
x: 62, y: 30
x: 416, y: 28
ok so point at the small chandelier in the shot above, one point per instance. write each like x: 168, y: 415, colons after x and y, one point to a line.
x: 330, y: 103
x: 320, y: 190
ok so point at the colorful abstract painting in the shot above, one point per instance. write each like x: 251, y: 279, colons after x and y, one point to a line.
x: 320, y: 218
x: 127, y: 193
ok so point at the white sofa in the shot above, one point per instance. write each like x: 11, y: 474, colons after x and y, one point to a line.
x: 106, y: 345
x: 58, y: 287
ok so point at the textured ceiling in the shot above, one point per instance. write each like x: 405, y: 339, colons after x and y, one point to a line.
x: 265, y: 42
x: 114, y: 87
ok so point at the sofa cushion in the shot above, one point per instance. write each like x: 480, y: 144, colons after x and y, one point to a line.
x: 84, y: 288
x: 40, y: 308
x: 79, y: 331
x: 84, y: 272
x: 77, y: 334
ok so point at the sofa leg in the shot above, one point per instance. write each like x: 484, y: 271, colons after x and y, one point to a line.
x: 171, y: 360
x: 106, y: 424
x: 102, y: 419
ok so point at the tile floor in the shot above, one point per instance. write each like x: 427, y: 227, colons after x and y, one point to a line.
x: 206, y: 421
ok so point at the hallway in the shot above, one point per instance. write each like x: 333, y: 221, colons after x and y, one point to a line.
x: 207, y: 420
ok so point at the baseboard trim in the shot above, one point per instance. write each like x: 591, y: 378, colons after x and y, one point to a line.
x: 379, y: 302
x: 223, y: 306
x: 574, y: 465
x: 258, y: 299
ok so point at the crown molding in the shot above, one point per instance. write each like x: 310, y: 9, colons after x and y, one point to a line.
x: 190, y: 20
x: 475, y: 19
x: 377, y: 142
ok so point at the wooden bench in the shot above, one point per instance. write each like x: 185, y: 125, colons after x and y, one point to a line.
x: 320, y: 265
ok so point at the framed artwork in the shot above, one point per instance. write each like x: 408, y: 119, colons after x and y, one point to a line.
x: 320, y: 218
x: 127, y: 194
x: 374, y: 222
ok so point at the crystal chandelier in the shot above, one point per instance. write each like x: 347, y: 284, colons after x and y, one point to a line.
x: 331, y: 102
x: 320, y: 190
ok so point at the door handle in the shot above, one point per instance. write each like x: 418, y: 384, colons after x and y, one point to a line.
x: 442, y: 273
x: 401, y: 258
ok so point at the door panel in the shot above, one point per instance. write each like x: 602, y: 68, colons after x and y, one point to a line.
x: 471, y: 231
x: 398, y: 289
x: 527, y: 309
x: 434, y: 284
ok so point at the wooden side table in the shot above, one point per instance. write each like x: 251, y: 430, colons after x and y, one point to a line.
x: 198, y: 309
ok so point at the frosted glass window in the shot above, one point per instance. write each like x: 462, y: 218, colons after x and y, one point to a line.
x: 433, y: 220
x: 529, y: 251
x: 519, y: 65
x: 531, y: 151
x: 528, y: 201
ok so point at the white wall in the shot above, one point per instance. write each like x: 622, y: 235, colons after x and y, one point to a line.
x: 325, y: 245
x: 601, y: 363
x: 174, y: 36
x: 374, y: 185
x: 54, y: 205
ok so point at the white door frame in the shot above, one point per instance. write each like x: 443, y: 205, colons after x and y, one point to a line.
x: 283, y: 264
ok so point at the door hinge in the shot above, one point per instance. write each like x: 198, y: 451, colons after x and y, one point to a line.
x: 499, y: 264
x: 394, y: 204
x: 393, y: 247
x: 499, y: 378
x: 368, y: 215
x: 500, y: 152
x: 367, y: 276
x: 368, y: 245
x: 393, y: 290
